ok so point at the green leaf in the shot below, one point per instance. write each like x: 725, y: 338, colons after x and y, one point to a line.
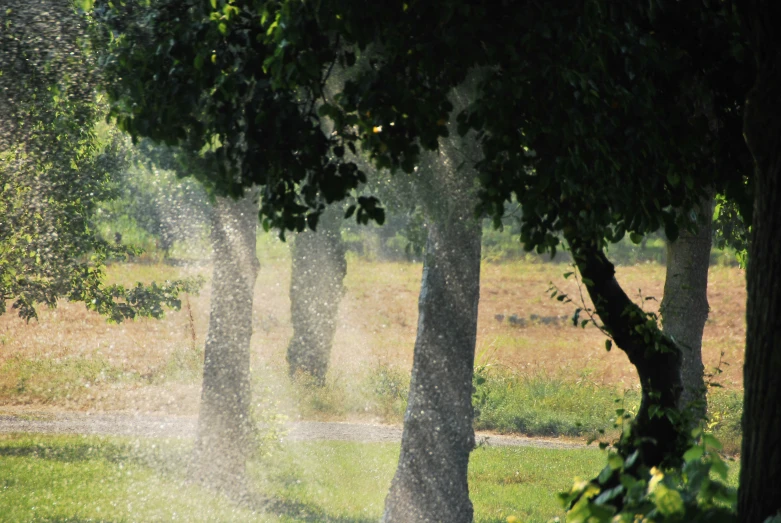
x: 719, y: 467
x: 668, y: 501
x: 711, y: 441
x: 693, y: 454
x: 615, y: 461
x: 636, y: 238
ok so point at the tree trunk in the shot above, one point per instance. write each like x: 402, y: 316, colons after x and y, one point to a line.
x: 431, y: 479
x: 430, y: 484
x: 225, y: 429
x: 655, y: 431
x: 316, y: 287
x: 760, y: 464
x: 685, y: 308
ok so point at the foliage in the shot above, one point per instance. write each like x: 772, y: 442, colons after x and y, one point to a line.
x: 249, y: 130
x: 731, y: 229
x: 53, y: 170
x: 696, y: 492
x: 149, y: 197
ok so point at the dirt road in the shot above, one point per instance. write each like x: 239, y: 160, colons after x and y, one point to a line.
x: 155, y: 426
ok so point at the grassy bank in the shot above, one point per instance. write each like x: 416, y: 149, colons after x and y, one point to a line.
x: 70, y: 478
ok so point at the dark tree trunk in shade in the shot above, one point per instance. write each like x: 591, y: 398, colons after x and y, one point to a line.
x: 658, y: 438
x: 316, y: 288
x: 430, y: 483
x: 759, y: 494
x: 224, y: 438
x: 685, y: 308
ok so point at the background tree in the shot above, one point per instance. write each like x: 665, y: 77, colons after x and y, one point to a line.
x: 316, y: 288
x: 684, y: 308
x: 154, y: 205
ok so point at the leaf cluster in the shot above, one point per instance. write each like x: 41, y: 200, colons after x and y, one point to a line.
x: 697, y: 492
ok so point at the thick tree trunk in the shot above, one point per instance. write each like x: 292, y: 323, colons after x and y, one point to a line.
x: 316, y: 287
x: 685, y: 308
x: 759, y: 494
x: 430, y: 484
x: 655, y: 432
x: 431, y: 480
x: 224, y: 425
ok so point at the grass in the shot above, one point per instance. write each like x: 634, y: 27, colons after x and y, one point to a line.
x: 73, y: 478
x: 78, y: 479
x: 540, y: 405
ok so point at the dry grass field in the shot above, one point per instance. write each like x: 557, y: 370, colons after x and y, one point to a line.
x: 74, y: 359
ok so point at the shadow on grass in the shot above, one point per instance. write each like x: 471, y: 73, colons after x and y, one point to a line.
x: 73, y: 520
x: 165, y: 458
x: 168, y: 461
x: 69, y: 453
x: 307, y: 512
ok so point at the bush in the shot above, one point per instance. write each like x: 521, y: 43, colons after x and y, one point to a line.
x: 695, y: 493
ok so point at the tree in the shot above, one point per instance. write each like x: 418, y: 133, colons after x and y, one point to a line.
x: 154, y: 203
x: 567, y: 116
x: 319, y: 267
x: 225, y: 429
x: 53, y: 170
x: 430, y: 483
x: 760, y: 471
x: 684, y: 307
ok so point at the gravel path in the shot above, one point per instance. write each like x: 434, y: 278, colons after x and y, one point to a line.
x: 184, y: 427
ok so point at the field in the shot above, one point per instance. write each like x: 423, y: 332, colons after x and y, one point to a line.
x: 540, y: 379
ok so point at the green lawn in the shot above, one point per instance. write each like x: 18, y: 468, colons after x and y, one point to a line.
x: 79, y: 479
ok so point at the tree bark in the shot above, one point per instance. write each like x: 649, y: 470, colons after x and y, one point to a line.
x: 316, y: 288
x: 655, y: 431
x: 225, y: 429
x: 760, y: 471
x: 684, y: 308
x: 431, y: 480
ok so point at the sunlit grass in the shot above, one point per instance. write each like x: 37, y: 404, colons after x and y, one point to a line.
x: 71, y: 478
